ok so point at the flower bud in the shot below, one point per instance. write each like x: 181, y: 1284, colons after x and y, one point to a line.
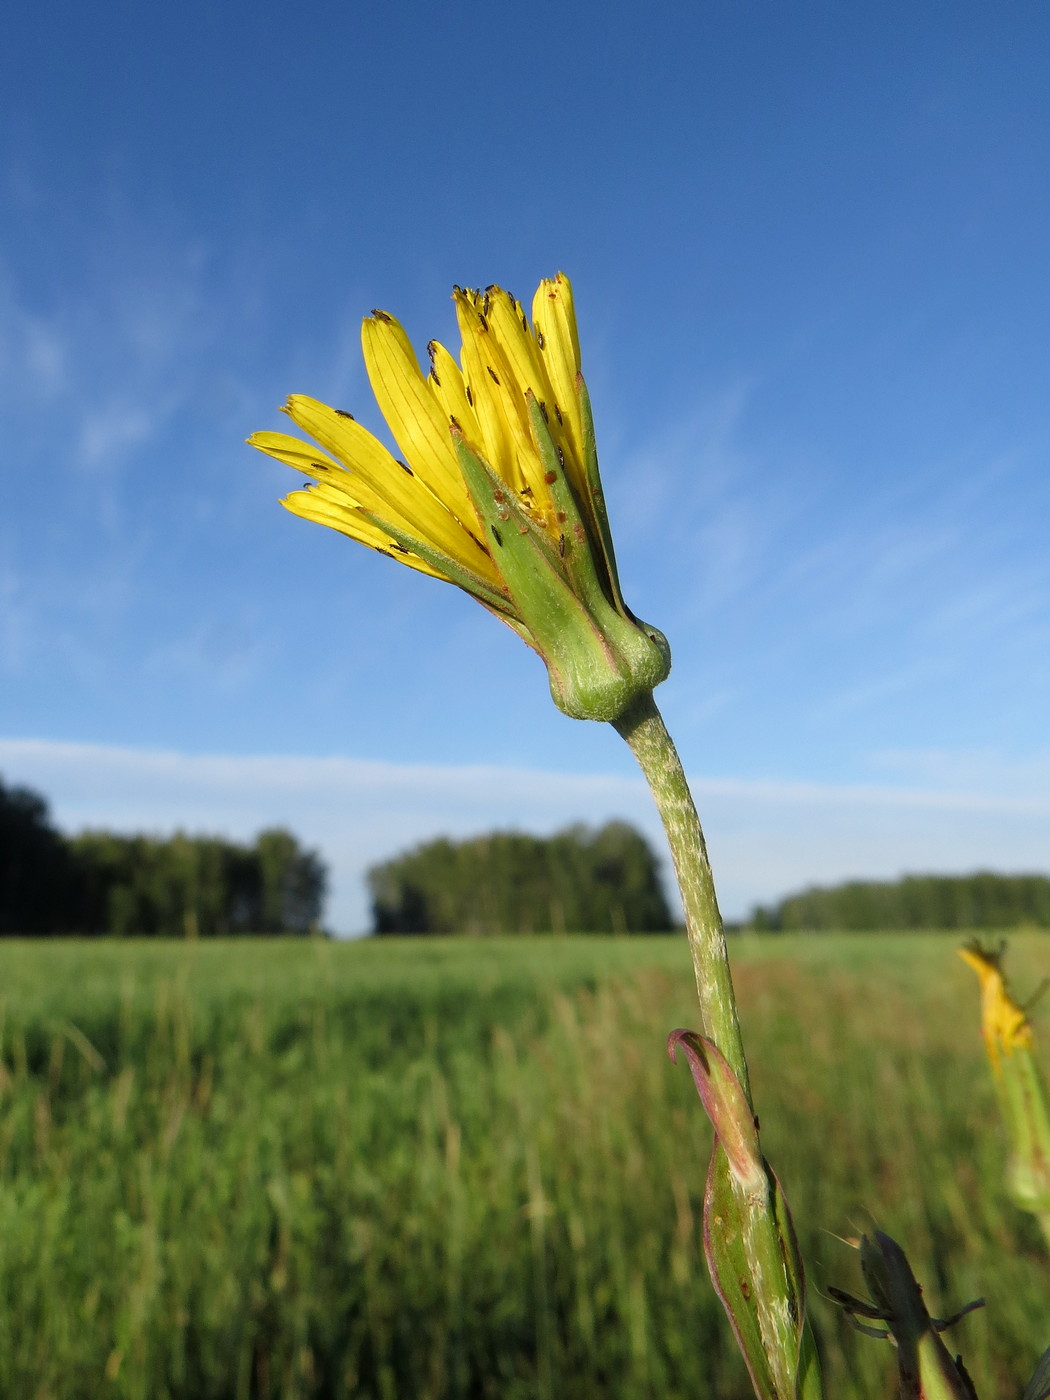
x: 925, y: 1367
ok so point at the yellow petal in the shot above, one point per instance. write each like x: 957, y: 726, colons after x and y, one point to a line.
x: 554, y: 321
x: 379, y: 482
x: 521, y: 369
x: 449, y: 388
x: 519, y: 354
x: 495, y: 440
x: 295, y: 453
x: 498, y: 396
x: 327, y: 510
x: 415, y: 417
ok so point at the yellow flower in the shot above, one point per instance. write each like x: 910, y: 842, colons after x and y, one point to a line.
x: 498, y: 490
x: 1019, y: 1085
x: 1004, y: 1025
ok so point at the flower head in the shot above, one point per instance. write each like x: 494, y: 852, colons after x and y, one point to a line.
x: 1019, y: 1084
x: 498, y: 489
x: 1004, y: 1025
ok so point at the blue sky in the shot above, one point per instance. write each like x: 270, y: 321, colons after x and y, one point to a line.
x: 808, y: 245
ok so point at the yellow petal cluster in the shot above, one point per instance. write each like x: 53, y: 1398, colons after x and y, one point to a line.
x: 398, y: 505
x: 1004, y: 1025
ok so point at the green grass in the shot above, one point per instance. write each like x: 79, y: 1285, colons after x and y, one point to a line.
x: 421, y: 1168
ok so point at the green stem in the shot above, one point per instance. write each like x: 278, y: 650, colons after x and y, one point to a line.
x: 646, y: 735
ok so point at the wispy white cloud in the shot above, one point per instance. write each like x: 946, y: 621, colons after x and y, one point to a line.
x: 108, y: 433
x: 957, y: 771
x: 45, y: 354
x: 224, y: 655
x: 835, y: 599
x: 767, y: 837
x: 699, y: 507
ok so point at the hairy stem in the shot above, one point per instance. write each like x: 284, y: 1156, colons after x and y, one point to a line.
x: 646, y: 735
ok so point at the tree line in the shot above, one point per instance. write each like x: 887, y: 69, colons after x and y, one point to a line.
x: 983, y: 900
x: 577, y: 881
x: 181, y: 886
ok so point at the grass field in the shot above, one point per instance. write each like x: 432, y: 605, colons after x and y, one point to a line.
x: 466, y: 1169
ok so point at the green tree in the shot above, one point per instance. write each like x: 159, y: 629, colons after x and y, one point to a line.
x: 292, y: 883
x: 196, y: 886
x: 983, y: 900
x: 35, y: 868
x: 507, y: 882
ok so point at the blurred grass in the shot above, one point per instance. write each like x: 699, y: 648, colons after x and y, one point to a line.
x: 458, y: 1168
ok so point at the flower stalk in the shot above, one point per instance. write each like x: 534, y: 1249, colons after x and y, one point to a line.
x: 498, y: 492
x: 645, y: 733
x: 749, y: 1239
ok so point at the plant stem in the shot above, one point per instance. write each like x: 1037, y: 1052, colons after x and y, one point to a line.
x: 749, y: 1242
x: 646, y: 735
